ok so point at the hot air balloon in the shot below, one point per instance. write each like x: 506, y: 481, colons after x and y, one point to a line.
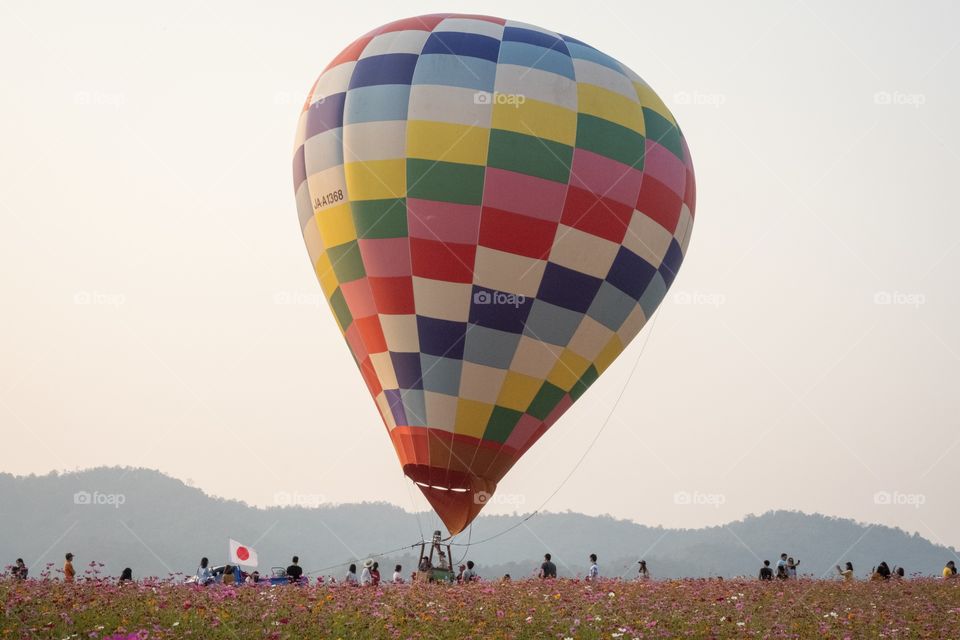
x: 493, y: 211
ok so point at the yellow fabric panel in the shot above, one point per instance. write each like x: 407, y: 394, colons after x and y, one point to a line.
x: 336, y: 225
x: 568, y: 370
x: 472, y: 417
x: 447, y: 141
x: 518, y: 391
x: 609, y: 354
x: 611, y: 106
x: 376, y: 179
x: 536, y: 118
x: 326, y: 275
x: 650, y: 100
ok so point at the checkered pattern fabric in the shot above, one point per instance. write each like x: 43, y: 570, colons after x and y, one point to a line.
x: 493, y: 211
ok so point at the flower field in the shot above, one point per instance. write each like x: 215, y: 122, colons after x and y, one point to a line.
x: 101, y: 609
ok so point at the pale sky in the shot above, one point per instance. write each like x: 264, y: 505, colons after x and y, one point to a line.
x: 159, y: 309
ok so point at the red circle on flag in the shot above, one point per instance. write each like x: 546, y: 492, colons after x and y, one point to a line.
x: 242, y: 553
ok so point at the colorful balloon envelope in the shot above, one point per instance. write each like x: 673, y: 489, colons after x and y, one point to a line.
x: 493, y: 211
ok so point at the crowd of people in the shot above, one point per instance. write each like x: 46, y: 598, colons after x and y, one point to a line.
x: 785, y: 569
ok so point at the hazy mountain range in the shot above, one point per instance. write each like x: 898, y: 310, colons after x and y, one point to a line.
x: 156, y: 525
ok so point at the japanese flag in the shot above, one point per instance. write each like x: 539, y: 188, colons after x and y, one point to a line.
x: 242, y: 554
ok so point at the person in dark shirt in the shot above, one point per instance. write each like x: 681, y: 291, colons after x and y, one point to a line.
x: 20, y: 570
x: 766, y: 573
x: 294, y: 571
x: 548, y: 569
x: 883, y: 571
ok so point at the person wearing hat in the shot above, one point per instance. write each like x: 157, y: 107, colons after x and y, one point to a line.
x: 68, y: 571
x: 366, y: 578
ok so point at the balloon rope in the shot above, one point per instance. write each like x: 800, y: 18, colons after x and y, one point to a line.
x: 585, y: 453
x: 375, y: 555
x: 467, y: 550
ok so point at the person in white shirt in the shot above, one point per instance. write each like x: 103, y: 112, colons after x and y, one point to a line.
x: 594, y: 571
x: 366, y: 578
x: 351, y: 577
x: 469, y: 575
x: 397, y: 575
x: 204, y: 575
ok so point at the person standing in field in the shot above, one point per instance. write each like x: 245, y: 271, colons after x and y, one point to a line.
x: 397, y: 574
x: 469, y: 575
x: 20, y: 570
x: 68, y: 572
x: 351, y: 577
x: 782, y: 564
x: 126, y: 575
x: 594, y: 572
x: 792, y: 568
x: 766, y: 573
x: 643, y: 573
x: 847, y: 572
x: 375, y: 574
x: 548, y: 569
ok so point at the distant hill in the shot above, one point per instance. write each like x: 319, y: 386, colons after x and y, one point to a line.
x: 164, y: 526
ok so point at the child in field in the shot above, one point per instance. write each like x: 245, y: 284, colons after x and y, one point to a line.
x: 68, y: 572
